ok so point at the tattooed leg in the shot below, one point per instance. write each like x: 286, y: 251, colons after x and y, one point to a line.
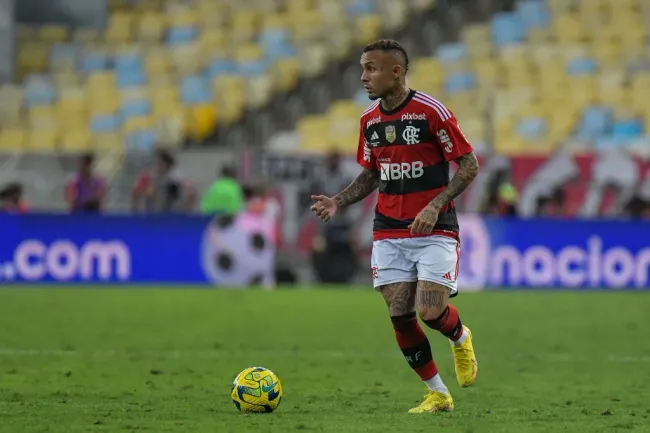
x: 433, y: 307
x: 400, y: 299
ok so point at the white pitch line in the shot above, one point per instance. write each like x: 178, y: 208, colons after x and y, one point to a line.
x: 352, y: 354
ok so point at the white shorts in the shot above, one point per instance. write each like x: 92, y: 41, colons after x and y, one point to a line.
x: 431, y: 258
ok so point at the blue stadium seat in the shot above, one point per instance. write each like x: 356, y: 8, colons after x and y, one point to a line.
x: 361, y: 97
x: 361, y: 7
x: 608, y: 142
x: 104, y: 124
x: 220, y: 67
x: 143, y: 140
x: 581, y: 66
x: 64, y: 52
x: 507, y: 29
x: 93, y: 61
x: 532, y: 127
x: 452, y: 52
x: 533, y: 13
x: 136, y: 108
x: 195, y: 90
x: 127, y: 80
x: 128, y: 63
x: 39, y: 91
x: 460, y: 82
x: 251, y: 68
x: 594, y: 123
x: 280, y: 51
x: 272, y: 37
x: 181, y: 35
x: 629, y: 128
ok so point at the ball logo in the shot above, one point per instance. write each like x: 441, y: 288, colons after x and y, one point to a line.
x: 236, y: 251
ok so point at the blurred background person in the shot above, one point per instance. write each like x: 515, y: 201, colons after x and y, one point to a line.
x: 86, y: 190
x: 162, y: 188
x: 11, y: 199
x: 334, y: 251
x: 225, y: 195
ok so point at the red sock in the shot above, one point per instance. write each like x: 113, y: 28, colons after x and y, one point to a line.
x: 414, y: 345
x: 448, y: 323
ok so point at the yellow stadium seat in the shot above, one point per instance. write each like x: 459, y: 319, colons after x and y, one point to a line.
x: 83, y: 35
x: 75, y: 140
x: 120, y: 27
x: 101, y: 81
x: 202, y: 120
x: 42, y: 141
x: 71, y: 118
x: 10, y: 118
x: 12, y: 139
x: 213, y: 40
x: 568, y: 29
x: 157, y: 61
x: 285, y: 74
x: 151, y: 27
x: 558, y: 7
x: 275, y: 21
x: 183, y: 16
x: 42, y: 117
x: 11, y: 95
x: 608, y: 56
x: 488, y: 73
x: 108, y: 141
x: 149, y: 5
x: 68, y: 78
x: 105, y: 104
x: 225, y: 83
x: 368, y: 28
x: 476, y: 34
x: 116, y: 5
x: 53, y: 33
x: 258, y: 91
x: 32, y: 57
x: 186, y: 58
x: 230, y: 105
x: 307, y: 26
x: 538, y: 35
x: 26, y: 33
x: 313, y: 60
x: 136, y: 123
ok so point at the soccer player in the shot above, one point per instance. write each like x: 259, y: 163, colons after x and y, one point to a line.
x: 406, y: 141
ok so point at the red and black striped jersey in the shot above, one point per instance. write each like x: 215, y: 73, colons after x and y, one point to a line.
x: 410, y: 147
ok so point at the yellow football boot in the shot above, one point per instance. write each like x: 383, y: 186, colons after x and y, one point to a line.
x: 465, y: 360
x: 435, y: 401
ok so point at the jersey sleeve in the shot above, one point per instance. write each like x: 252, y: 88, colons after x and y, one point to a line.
x: 449, y: 136
x: 365, y: 157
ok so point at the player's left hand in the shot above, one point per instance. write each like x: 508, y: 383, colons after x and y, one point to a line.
x: 425, y: 220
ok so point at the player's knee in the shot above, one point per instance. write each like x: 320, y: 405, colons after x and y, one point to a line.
x: 405, y: 322
x: 430, y: 313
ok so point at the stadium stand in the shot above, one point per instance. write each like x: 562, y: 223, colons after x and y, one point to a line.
x: 164, y: 70
x: 547, y: 73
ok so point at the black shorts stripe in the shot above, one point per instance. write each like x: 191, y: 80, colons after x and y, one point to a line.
x: 395, y: 181
x: 446, y: 221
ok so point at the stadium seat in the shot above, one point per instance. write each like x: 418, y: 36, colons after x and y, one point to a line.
x: 595, y: 122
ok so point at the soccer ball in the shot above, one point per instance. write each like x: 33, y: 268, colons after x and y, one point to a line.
x: 256, y: 389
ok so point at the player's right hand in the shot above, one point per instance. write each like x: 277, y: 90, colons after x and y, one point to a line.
x: 325, y: 207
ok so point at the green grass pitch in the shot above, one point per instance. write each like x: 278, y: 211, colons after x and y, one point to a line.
x: 125, y: 359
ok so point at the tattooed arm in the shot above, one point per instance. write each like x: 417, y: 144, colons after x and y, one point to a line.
x: 360, y: 188
x: 467, y: 172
